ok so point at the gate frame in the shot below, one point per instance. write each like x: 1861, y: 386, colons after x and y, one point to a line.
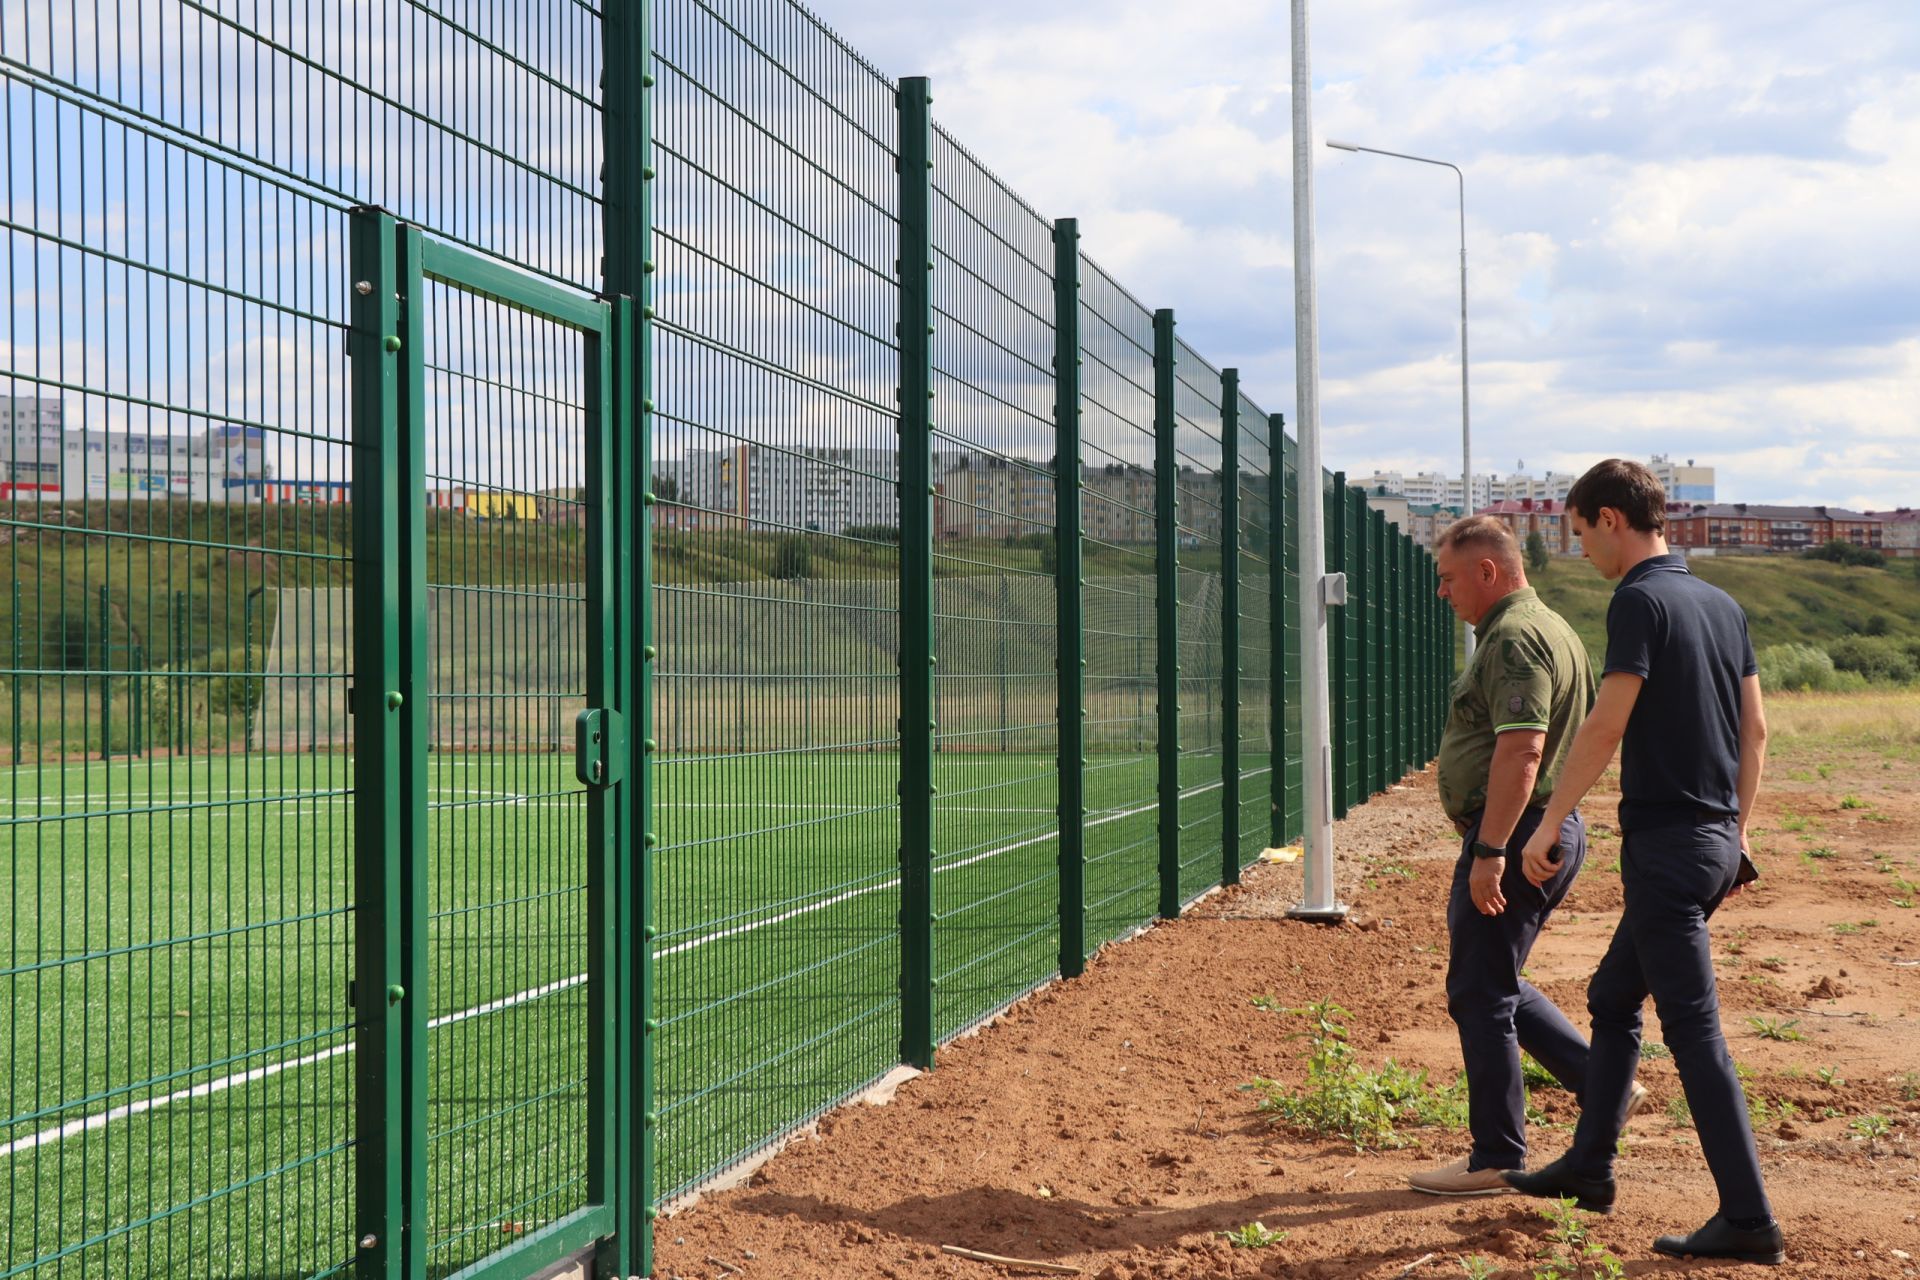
x: 392, y: 262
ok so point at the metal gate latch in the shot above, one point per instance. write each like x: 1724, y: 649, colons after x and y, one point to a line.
x: 600, y: 746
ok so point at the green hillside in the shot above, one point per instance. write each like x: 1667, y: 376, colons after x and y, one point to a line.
x: 1788, y: 601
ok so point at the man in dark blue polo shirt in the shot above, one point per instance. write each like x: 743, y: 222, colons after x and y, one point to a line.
x: 1680, y: 687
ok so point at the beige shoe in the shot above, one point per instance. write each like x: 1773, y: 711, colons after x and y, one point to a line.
x: 1457, y: 1180
x: 1637, y: 1100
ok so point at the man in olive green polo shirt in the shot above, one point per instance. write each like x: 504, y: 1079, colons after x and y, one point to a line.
x: 1513, y: 715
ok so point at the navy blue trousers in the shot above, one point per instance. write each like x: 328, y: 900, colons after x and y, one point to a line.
x: 1675, y: 877
x: 1497, y: 1011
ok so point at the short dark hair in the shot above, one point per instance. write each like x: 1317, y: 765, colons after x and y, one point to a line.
x: 1627, y: 487
x: 1487, y: 534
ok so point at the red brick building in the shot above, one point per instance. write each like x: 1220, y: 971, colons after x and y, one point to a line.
x: 1750, y: 527
x: 1545, y: 516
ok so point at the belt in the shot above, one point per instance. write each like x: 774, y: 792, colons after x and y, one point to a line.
x: 1463, y: 825
x: 1678, y: 818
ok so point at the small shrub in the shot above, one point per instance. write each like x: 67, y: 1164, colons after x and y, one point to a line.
x: 1871, y: 1127
x: 1775, y: 1028
x: 1838, y: 551
x: 1880, y: 660
x: 792, y: 557
x: 1252, y: 1236
x: 1344, y: 1097
x: 1795, y: 668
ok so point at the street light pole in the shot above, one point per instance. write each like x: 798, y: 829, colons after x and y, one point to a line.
x: 1466, y: 423
x: 1317, y: 900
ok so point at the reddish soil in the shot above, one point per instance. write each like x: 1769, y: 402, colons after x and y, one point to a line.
x: 1101, y: 1123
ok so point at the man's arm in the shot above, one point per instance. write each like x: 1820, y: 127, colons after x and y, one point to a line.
x: 1510, y: 779
x: 1587, y: 759
x: 1516, y: 763
x: 1753, y: 749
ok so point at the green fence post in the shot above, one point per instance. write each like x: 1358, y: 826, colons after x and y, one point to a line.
x: 409, y: 465
x: 1068, y: 571
x: 1434, y: 633
x: 627, y: 216
x: 916, y: 577
x: 1397, y: 695
x: 1378, y: 706
x: 1167, y: 575
x: 1293, y: 785
x: 1277, y: 518
x: 1360, y: 556
x: 1339, y: 660
x: 372, y: 343
x: 1230, y: 631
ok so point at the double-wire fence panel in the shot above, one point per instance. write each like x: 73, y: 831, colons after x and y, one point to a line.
x: 577, y: 583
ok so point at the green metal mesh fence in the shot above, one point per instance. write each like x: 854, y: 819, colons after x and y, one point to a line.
x: 1118, y: 501
x: 862, y: 836
x: 1255, y: 655
x: 1201, y: 539
x: 777, y: 570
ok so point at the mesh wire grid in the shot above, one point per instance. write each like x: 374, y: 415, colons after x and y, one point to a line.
x: 175, y: 187
x: 1200, y: 623
x: 176, y: 1085
x: 1121, y: 632
x: 776, y: 700
x: 996, y: 811
x: 1255, y: 651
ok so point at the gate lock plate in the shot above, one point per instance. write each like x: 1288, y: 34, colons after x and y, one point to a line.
x: 600, y: 746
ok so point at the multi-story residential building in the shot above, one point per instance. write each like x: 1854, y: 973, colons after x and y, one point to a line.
x: 1900, y: 533
x: 30, y: 432
x: 817, y: 489
x: 42, y: 458
x: 988, y: 496
x: 1704, y: 529
x: 1686, y: 482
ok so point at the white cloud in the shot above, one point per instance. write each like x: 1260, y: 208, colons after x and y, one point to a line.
x: 1690, y: 222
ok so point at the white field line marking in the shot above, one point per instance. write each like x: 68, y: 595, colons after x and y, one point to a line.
x: 100, y: 1119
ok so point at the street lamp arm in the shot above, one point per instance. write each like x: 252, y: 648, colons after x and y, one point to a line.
x: 1466, y: 420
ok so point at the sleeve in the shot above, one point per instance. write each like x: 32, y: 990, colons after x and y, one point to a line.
x: 1518, y: 686
x: 1633, y: 634
x: 1749, y: 666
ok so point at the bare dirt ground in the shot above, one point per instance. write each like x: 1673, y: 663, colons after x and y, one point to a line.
x: 1101, y: 1123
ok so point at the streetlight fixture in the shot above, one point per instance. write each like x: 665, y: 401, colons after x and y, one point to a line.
x: 1466, y: 432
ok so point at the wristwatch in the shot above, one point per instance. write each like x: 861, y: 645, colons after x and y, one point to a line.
x: 1481, y: 849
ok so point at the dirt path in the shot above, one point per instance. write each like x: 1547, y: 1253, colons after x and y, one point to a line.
x: 1102, y: 1123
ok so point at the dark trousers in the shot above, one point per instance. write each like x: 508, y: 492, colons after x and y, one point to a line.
x: 1674, y: 878
x: 1499, y: 1013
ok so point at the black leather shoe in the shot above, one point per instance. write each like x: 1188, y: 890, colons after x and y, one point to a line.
x: 1721, y: 1239
x: 1557, y: 1182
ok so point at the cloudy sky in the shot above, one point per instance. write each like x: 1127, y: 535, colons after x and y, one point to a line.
x: 1693, y: 226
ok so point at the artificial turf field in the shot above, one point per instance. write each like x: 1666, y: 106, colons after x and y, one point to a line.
x: 177, y: 1061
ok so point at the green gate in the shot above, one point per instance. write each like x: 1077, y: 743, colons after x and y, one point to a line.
x: 495, y: 794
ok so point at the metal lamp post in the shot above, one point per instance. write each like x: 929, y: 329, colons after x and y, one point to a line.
x: 1466, y: 432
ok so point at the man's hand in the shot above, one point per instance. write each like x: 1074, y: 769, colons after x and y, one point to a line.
x: 1483, y: 883
x: 1537, y: 862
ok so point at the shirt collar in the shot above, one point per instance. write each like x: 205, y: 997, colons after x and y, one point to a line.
x: 1500, y: 606
x: 1669, y: 563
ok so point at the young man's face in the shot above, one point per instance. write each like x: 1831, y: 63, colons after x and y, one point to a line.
x: 1600, y: 541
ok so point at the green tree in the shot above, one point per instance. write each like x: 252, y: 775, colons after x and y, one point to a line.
x: 1538, y: 558
x: 792, y: 557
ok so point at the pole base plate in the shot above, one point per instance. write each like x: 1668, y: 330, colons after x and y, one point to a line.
x: 1318, y: 915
